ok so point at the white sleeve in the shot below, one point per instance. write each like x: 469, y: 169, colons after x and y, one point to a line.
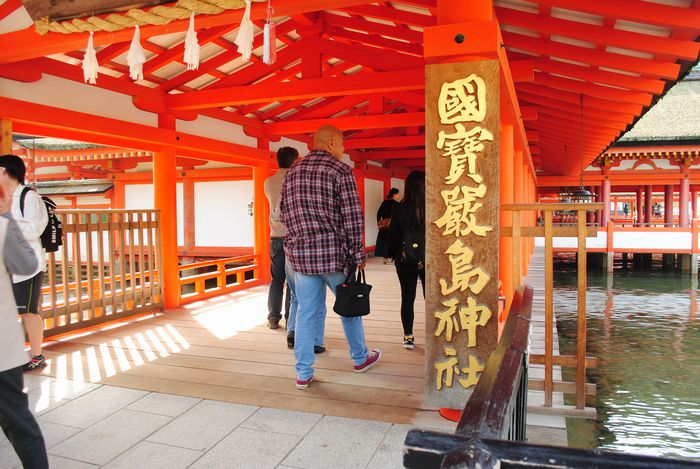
x: 35, y: 218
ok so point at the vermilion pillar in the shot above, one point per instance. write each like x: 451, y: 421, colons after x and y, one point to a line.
x: 683, y: 202
x: 668, y: 205
x: 694, y: 204
x: 5, y: 137
x: 640, y: 212
x: 359, y: 173
x: 164, y: 190
x: 188, y: 212
x: 647, y: 204
x: 261, y: 217
x: 505, y: 258
x: 606, y: 202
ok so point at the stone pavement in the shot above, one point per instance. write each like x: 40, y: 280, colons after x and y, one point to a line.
x: 89, y: 425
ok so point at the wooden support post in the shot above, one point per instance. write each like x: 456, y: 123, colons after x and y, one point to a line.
x: 165, y: 200
x: 606, y: 201
x: 261, y: 216
x: 505, y: 261
x: 640, y: 211
x: 518, y: 170
x: 359, y: 173
x: 648, y: 205
x: 683, y: 202
x: 188, y: 215
x: 5, y: 137
x: 668, y: 205
x: 694, y: 204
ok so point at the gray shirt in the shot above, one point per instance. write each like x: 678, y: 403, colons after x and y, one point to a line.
x: 19, y: 255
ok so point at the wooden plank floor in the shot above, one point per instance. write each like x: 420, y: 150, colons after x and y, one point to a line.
x: 222, y: 349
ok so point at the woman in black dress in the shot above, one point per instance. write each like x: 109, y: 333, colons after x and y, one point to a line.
x: 408, y: 227
x: 384, y: 213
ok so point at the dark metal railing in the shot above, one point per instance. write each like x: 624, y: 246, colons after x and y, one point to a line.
x: 491, y: 432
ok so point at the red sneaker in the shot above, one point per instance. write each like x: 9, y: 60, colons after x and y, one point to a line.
x: 304, y: 383
x: 372, y: 359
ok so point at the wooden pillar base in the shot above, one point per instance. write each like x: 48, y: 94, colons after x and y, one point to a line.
x: 684, y: 262
x: 693, y: 265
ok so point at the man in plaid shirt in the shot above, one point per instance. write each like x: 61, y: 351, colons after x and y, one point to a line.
x: 321, y: 210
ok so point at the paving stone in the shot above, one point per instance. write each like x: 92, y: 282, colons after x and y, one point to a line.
x: 155, y: 456
x: 8, y: 457
x: 93, y: 406
x: 389, y: 455
x: 52, y: 393
x: 164, y: 404
x: 203, y: 425
x: 248, y: 448
x: 282, y: 421
x: 57, y: 462
x: 339, y: 443
x: 110, y: 437
x: 55, y: 433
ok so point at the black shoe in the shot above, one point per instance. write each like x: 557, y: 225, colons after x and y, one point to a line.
x: 273, y: 323
x: 319, y: 349
x: 290, y: 340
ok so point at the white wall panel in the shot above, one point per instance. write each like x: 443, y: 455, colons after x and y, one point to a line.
x: 140, y: 196
x: 374, y: 196
x: 216, y: 129
x: 221, y: 213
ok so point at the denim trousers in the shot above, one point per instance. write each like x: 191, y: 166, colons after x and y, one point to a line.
x: 294, y: 306
x: 311, y: 298
x: 276, y: 293
x: 18, y: 423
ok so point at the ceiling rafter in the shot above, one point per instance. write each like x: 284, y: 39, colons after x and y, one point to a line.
x: 590, y: 89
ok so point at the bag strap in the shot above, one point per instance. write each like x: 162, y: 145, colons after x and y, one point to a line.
x: 361, y: 277
x: 21, y: 199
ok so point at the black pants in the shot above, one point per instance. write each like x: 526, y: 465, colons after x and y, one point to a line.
x: 274, y: 297
x: 409, y: 283
x: 18, y: 423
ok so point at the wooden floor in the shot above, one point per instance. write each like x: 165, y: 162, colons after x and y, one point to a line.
x: 222, y: 349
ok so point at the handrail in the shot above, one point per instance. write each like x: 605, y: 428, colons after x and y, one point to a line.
x: 243, y: 270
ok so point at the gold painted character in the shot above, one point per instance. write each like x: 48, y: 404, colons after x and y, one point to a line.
x: 464, y: 275
x: 463, y: 100
x: 460, y: 212
x: 462, y: 147
x: 471, y: 372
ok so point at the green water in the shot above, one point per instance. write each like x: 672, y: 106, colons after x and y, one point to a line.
x: 644, y: 329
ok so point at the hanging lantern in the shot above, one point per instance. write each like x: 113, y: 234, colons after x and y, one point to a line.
x: 191, y: 47
x: 136, y: 58
x: 269, y: 38
x: 90, y: 64
x: 244, y: 39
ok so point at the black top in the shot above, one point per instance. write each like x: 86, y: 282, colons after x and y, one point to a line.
x: 386, y: 209
x: 401, y: 221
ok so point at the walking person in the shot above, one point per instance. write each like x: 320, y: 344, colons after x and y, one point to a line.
x: 321, y: 210
x: 406, y: 240
x: 16, y: 420
x: 384, y: 222
x: 286, y: 156
x: 30, y: 213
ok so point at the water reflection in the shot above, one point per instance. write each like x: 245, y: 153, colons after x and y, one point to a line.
x: 644, y: 329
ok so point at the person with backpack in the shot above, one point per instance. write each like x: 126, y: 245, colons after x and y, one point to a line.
x: 406, y: 240
x: 29, y: 210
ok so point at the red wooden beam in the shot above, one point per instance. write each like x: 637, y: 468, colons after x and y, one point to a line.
x: 382, y: 121
x: 687, y: 50
x: 368, y: 56
x: 357, y: 24
x: 632, y: 10
x: 598, y: 91
x: 575, y: 97
x: 9, y: 7
x: 176, y: 52
x: 392, y: 14
x: 600, y: 58
x: 571, y: 107
x: 380, y: 82
x: 376, y: 41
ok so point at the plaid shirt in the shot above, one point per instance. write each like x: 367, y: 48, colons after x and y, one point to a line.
x: 321, y: 209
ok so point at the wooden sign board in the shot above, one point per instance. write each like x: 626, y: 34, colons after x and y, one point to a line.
x: 59, y: 10
x: 462, y: 223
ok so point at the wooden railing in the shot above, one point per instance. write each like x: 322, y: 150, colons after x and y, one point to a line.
x: 107, y: 268
x: 580, y: 362
x: 201, y: 280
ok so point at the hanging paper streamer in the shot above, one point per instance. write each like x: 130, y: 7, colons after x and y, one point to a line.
x: 269, y: 38
x: 191, y: 47
x: 136, y: 58
x: 90, y: 65
x: 244, y: 39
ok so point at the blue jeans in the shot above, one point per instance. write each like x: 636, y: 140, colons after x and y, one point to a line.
x: 294, y: 306
x: 311, y: 298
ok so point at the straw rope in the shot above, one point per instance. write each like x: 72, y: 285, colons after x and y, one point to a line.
x: 158, y: 15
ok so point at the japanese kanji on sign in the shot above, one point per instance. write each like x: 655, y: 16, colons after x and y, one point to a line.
x: 462, y: 190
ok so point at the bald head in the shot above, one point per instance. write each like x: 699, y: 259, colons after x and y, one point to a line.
x: 330, y: 139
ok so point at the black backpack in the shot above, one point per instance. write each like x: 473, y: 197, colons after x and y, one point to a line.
x: 52, y: 236
x: 413, y: 247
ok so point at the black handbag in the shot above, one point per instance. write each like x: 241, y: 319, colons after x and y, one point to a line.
x: 352, y: 296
